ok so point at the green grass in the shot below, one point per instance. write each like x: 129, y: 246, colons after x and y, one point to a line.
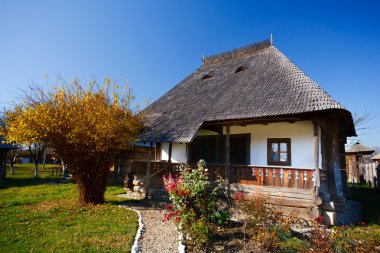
x: 370, y: 200
x: 40, y: 217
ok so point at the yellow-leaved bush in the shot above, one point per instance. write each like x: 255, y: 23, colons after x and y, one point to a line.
x: 87, y: 127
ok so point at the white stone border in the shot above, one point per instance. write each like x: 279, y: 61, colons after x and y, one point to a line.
x: 135, y: 246
x: 181, y: 247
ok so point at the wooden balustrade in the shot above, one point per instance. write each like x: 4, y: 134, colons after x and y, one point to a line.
x: 156, y: 168
x: 241, y: 174
x: 272, y: 176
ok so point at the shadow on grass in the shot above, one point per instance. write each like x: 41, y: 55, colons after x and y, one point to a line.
x: 27, y: 181
x: 370, y: 199
x: 129, y: 202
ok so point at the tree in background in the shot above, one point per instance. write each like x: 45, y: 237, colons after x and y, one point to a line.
x: 12, y: 158
x: 37, y: 151
x: 86, y: 127
x: 361, y: 123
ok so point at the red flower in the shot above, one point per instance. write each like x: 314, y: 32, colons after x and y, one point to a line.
x: 319, y: 219
x: 177, y: 219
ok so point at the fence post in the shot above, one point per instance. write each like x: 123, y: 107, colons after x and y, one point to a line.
x: 147, y: 177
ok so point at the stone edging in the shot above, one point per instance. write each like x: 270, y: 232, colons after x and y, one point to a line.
x: 135, y: 246
x: 181, y: 247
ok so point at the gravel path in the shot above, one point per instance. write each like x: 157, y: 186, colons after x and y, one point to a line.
x: 157, y: 235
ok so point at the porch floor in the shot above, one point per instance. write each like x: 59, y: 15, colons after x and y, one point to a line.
x: 285, y: 199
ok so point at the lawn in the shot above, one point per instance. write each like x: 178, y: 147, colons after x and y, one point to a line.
x: 39, y: 216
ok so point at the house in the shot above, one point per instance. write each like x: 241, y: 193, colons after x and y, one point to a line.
x: 358, y: 163
x: 259, y: 122
x: 4, y: 148
x: 376, y: 158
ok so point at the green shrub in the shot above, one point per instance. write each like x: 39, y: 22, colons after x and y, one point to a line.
x: 199, y: 232
x: 194, y: 203
x: 220, y: 218
x: 294, y: 245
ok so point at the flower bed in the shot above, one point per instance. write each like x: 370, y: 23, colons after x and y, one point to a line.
x: 249, y: 223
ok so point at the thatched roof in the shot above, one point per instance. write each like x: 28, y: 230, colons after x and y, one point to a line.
x: 358, y: 148
x: 251, y: 82
x: 376, y: 157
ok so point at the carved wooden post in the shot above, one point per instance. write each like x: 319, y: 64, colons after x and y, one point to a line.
x: 147, y: 176
x: 316, y: 156
x: 187, y: 153
x: 337, y: 194
x: 227, y: 162
x: 170, y: 152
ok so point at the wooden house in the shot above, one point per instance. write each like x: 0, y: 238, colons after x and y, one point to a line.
x: 258, y: 121
x: 4, y: 148
x: 358, y: 165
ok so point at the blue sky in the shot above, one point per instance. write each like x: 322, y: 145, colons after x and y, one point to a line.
x: 156, y: 44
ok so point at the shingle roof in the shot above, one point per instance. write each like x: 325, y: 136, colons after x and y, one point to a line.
x: 269, y: 85
x: 358, y: 148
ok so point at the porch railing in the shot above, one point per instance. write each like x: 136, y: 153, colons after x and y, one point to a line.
x: 240, y: 174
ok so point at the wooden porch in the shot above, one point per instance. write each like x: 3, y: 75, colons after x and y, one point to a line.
x: 287, y: 188
x: 246, y: 175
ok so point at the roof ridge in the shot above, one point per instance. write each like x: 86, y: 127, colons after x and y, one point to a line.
x: 237, y: 51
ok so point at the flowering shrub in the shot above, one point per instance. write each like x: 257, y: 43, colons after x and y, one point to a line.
x: 194, y: 202
x: 266, y: 226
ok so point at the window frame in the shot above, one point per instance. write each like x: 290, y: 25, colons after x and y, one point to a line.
x: 271, y: 141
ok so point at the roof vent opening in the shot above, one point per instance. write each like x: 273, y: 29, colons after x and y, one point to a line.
x: 240, y: 69
x: 207, y: 76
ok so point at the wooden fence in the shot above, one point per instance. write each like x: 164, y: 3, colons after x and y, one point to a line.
x: 240, y: 174
x: 362, y: 172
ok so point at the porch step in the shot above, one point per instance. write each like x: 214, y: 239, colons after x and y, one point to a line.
x: 305, y: 213
x: 278, y: 192
x: 286, y: 200
x: 290, y: 202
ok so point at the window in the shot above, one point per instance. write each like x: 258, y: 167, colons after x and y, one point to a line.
x: 240, y: 69
x: 279, y: 151
x: 210, y: 74
x: 207, y: 76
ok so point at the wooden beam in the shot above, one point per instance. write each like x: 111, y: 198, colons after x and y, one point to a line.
x: 227, y: 162
x: 170, y: 152
x: 316, y: 155
x: 187, y: 153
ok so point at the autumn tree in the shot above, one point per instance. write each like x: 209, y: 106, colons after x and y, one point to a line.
x: 12, y: 158
x: 86, y: 127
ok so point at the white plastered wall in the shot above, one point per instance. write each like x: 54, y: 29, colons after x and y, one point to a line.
x: 300, y: 133
x: 178, y: 152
